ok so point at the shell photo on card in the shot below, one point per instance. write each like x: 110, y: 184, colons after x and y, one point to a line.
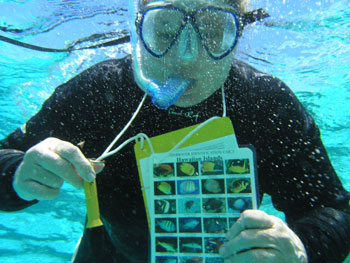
x: 213, y: 186
x: 212, y: 167
x: 237, y: 166
x: 166, y: 244
x: 238, y: 185
x: 163, y: 170
x: 187, y: 169
x: 215, y: 225
x: 238, y: 205
x: 191, y: 245
x: 165, y: 225
x: 214, y: 205
x: 189, y: 205
x: 188, y: 187
x: 190, y: 225
x: 164, y: 188
x: 165, y: 206
x: 212, y: 244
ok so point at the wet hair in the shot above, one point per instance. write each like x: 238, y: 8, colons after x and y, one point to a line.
x: 241, y: 5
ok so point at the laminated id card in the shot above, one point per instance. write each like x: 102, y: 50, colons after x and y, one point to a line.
x: 195, y: 193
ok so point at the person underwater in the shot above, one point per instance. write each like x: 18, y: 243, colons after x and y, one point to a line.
x: 183, y: 57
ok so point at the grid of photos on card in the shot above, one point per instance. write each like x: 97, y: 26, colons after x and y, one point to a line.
x: 195, y: 203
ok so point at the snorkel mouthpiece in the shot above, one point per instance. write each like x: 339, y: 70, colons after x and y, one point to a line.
x: 166, y: 94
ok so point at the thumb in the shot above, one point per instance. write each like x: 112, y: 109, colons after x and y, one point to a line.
x: 251, y: 219
x: 97, y: 166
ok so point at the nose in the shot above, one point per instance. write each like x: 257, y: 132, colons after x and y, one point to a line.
x: 188, y: 43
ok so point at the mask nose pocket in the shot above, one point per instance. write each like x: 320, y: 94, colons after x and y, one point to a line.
x: 188, y: 43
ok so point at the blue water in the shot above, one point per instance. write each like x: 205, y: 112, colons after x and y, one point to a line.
x: 306, y: 43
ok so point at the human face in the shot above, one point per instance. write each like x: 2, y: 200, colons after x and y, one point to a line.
x: 189, y: 59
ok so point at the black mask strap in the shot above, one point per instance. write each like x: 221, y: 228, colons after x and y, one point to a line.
x: 247, y: 18
x: 113, y: 42
x: 253, y: 16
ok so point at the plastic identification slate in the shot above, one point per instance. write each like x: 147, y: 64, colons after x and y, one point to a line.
x: 195, y: 193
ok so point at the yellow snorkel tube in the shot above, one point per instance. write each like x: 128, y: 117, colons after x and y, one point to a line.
x: 92, y: 207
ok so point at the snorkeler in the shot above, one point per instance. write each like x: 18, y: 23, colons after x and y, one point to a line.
x: 188, y: 44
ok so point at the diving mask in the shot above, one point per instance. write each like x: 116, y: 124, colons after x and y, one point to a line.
x: 164, y: 94
x: 157, y: 27
x: 160, y: 27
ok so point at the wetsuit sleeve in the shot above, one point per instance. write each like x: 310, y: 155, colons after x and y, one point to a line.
x: 12, y: 150
x: 9, y: 160
x: 299, y: 176
x: 63, y: 115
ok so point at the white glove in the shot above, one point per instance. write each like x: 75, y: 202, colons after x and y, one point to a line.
x: 259, y: 237
x: 47, y: 165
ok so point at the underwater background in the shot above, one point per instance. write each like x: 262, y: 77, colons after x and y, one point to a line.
x: 306, y: 43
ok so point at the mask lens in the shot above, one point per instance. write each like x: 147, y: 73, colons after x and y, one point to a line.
x: 218, y: 30
x: 160, y: 28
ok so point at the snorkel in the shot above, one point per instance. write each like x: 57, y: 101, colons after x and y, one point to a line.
x: 163, y: 94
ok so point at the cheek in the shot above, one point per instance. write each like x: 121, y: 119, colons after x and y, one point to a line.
x: 155, y: 68
x: 223, y: 66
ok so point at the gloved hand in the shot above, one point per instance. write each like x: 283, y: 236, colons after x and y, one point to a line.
x: 47, y: 165
x: 259, y: 237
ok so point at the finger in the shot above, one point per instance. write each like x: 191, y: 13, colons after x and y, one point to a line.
x: 45, y: 177
x: 250, y: 219
x: 73, y: 154
x: 40, y: 192
x: 54, y: 164
x: 29, y: 189
x: 249, y: 239
x: 258, y: 255
x: 98, y: 166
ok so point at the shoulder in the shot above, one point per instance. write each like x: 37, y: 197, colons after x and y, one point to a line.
x: 98, y: 88
x: 108, y: 70
x: 100, y: 78
x: 259, y: 87
x: 117, y: 66
x: 248, y: 77
x: 266, y: 96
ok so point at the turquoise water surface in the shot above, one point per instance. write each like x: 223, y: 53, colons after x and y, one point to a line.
x: 306, y: 43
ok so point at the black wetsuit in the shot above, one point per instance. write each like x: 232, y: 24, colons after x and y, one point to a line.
x: 293, y: 166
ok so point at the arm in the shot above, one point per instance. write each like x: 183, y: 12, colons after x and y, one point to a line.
x: 303, y: 183
x: 9, y: 160
x: 57, y: 118
x: 322, y: 217
x: 293, y: 167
